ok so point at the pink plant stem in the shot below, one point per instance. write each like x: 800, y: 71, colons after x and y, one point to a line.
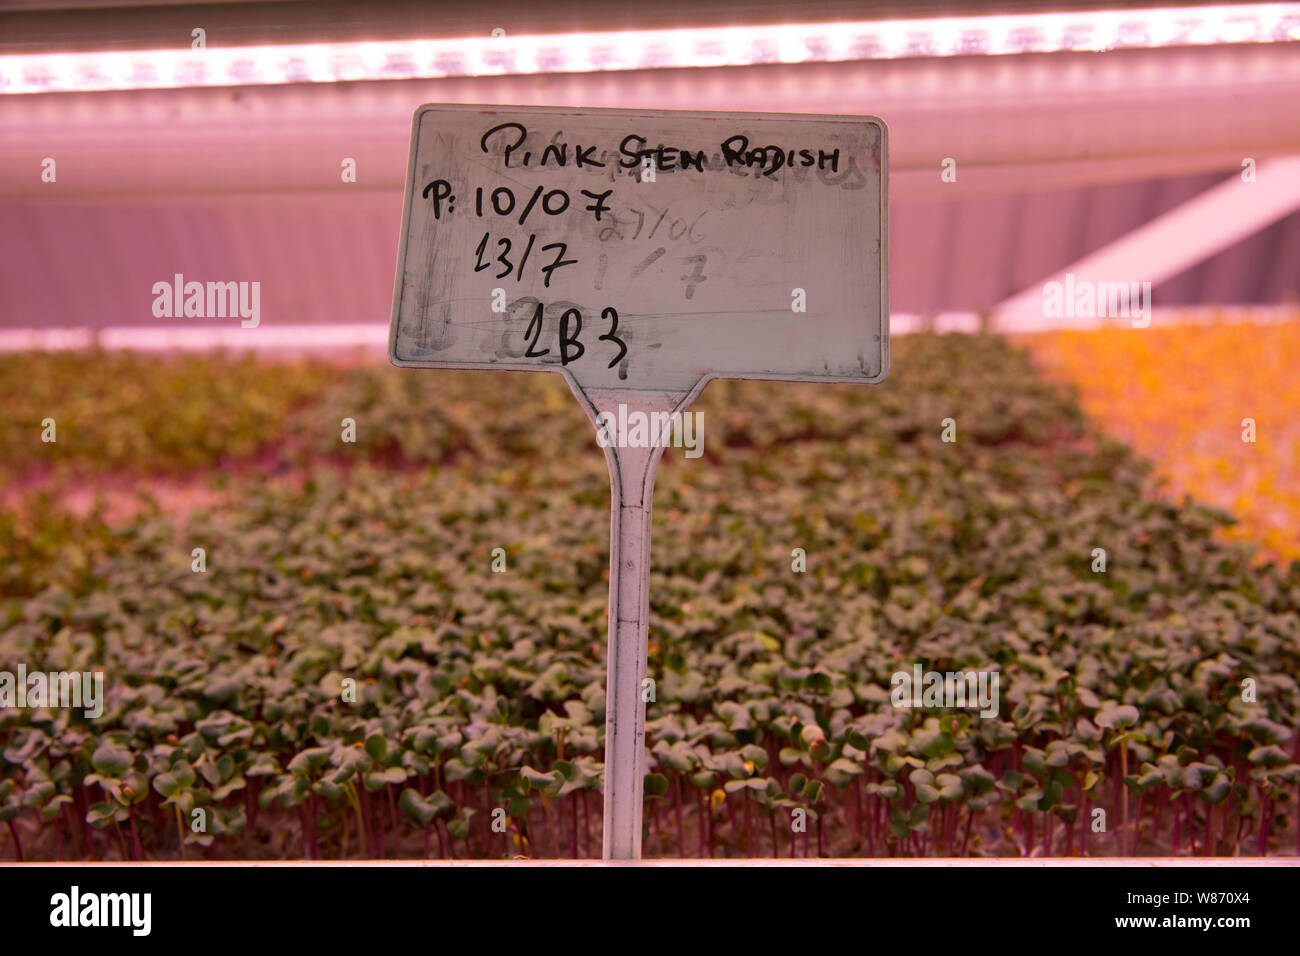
x: 86, y: 837
x: 450, y: 852
x: 121, y: 840
x: 871, y: 826
x: 1178, y: 826
x: 18, y: 844
x: 857, y: 811
x: 392, y: 817
x: 66, y: 815
x: 1083, y: 829
x: 654, y: 818
x: 1295, y: 757
x: 749, y: 830
x: 1265, y: 817
x: 1123, y: 792
x: 573, y: 828
x: 703, y: 826
x: 677, y: 811
x: 586, y: 826
x: 304, y: 839
x: 708, y: 800
x: 1137, y: 826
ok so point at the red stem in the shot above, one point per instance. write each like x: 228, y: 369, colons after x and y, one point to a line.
x: 703, y: 829
x: 857, y: 811
x: 586, y: 825
x: 1137, y: 826
x: 136, y: 849
x: 121, y: 840
x: 1083, y: 830
x: 1265, y: 817
x: 18, y: 844
x: 677, y: 812
x: 1178, y: 826
x: 749, y: 831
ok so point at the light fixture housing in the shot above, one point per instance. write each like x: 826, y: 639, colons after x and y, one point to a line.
x: 434, y: 58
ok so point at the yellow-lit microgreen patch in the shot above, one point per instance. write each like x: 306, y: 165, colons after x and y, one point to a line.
x: 1181, y: 394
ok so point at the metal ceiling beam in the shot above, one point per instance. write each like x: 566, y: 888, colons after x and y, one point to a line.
x: 1167, y: 245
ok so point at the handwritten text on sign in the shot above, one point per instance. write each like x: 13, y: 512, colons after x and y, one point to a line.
x: 644, y: 249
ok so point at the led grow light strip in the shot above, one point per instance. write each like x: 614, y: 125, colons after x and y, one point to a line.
x: 1095, y: 30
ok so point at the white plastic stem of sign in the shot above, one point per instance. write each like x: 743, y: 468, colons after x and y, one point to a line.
x: 632, y: 480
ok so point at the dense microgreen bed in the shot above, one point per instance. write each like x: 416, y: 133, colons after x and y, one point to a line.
x: 480, y: 694
x: 143, y: 412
